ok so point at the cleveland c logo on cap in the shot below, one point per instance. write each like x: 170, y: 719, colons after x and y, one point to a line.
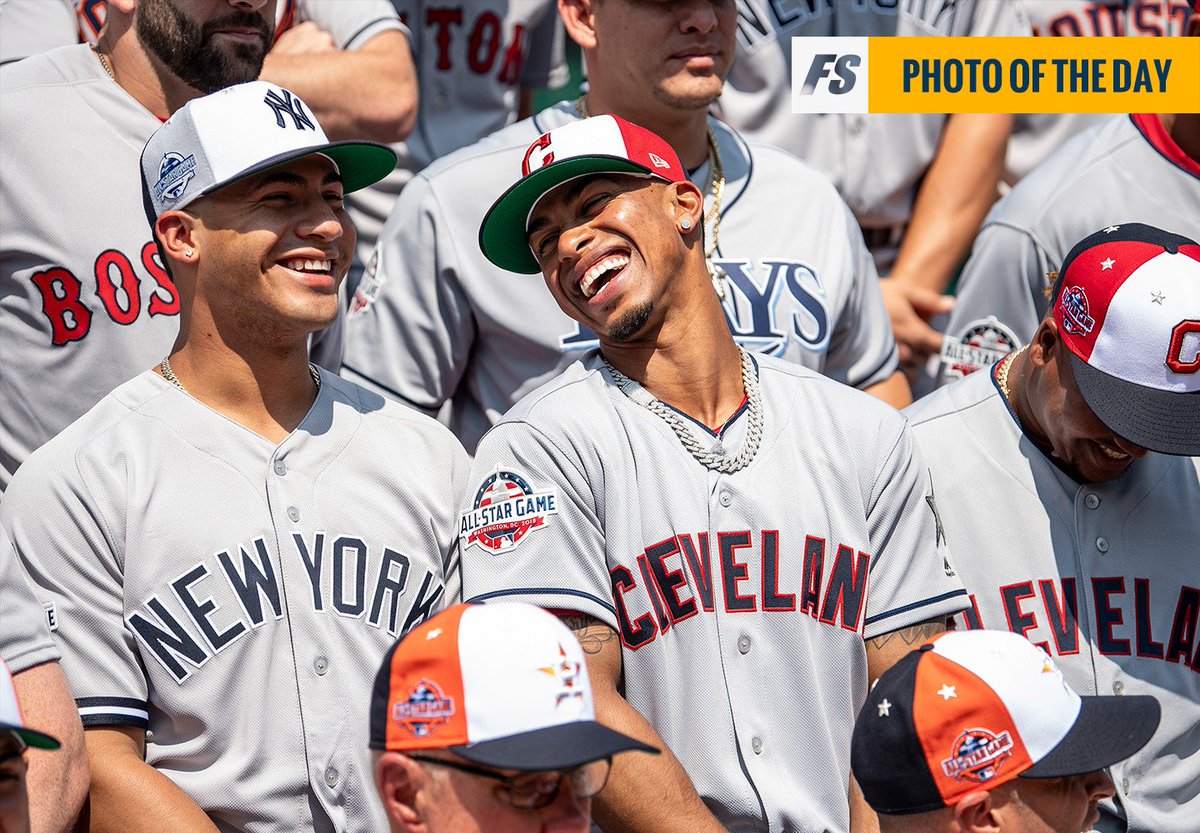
x: 1175, y: 359
x: 542, y: 143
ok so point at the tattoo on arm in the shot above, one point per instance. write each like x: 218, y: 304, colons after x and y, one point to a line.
x: 913, y: 635
x: 592, y: 634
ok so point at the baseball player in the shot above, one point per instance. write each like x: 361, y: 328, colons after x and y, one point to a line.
x: 1067, y: 482
x: 435, y: 322
x: 232, y: 540
x: 477, y: 64
x: 482, y: 721
x: 919, y: 184
x: 85, y: 301
x: 57, y: 783
x: 978, y: 731
x: 663, y: 492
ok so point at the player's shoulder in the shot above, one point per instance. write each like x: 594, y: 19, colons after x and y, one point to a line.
x: 569, y: 398
x: 825, y: 400
x: 482, y: 161
x: 768, y: 164
x: 64, y: 65
x: 402, y: 423
x: 947, y: 405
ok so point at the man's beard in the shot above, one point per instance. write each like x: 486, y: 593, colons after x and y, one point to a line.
x: 188, y: 50
x: 631, y: 323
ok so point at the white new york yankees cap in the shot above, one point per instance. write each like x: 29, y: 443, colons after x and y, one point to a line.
x: 502, y: 684
x: 1127, y: 305
x: 241, y: 130
x: 599, y: 145
x: 10, y: 715
x: 971, y: 710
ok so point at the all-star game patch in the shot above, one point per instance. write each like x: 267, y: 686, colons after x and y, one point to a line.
x: 174, y: 173
x: 977, y: 755
x: 981, y: 344
x: 368, y: 289
x: 506, y: 510
x: 426, y: 708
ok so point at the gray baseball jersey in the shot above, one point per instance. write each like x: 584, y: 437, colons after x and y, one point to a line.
x: 434, y: 321
x: 28, y: 27
x: 1126, y: 169
x: 85, y: 303
x: 25, y: 635
x: 743, y: 600
x: 473, y: 60
x: 232, y: 597
x: 1037, y: 135
x: 876, y: 161
x: 1101, y: 575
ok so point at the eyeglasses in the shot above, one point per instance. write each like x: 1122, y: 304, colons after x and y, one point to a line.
x: 535, y: 790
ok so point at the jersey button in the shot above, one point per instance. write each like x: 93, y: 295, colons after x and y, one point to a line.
x: 1125, y: 785
x: 331, y: 777
x: 1092, y: 501
x: 1102, y: 544
x: 280, y: 468
x: 1118, y: 687
x: 744, y: 644
x: 293, y: 513
x: 321, y: 665
x: 756, y: 745
x: 726, y: 498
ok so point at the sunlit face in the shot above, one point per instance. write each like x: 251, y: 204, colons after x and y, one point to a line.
x: 1057, y: 805
x: 679, y: 51
x: 272, y: 250
x: 1079, y: 441
x: 209, y: 44
x: 607, y: 246
x: 14, y: 800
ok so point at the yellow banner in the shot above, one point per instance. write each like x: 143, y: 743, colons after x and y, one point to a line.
x: 1034, y: 75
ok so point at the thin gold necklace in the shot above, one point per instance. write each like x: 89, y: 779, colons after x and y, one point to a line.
x: 104, y: 62
x: 1002, y: 373
x: 714, y: 185
x: 169, y: 375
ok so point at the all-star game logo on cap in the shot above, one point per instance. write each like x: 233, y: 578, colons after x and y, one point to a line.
x: 425, y: 710
x: 599, y: 145
x: 174, y: 173
x: 977, y: 755
x: 506, y: 510
x: 1127, y: 306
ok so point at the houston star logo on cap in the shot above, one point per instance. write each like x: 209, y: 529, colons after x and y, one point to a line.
x: 971, y: 710
x: 1127, y: 305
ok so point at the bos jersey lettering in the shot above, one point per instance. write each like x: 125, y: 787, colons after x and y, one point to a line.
x: 1100, y: 575
x: 724, y: 589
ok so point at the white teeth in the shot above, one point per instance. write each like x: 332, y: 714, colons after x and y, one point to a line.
x: 1113, y: 453
x: 299, y: 264
x: 590, y: 277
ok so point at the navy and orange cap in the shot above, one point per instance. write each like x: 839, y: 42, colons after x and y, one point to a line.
x: 504, y: 685
x: 972, y: 710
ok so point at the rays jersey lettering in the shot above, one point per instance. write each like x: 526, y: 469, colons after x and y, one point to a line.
x: 763, y: 21
x: 769, y: 304
x: 1125, y: 623
x: 658, y: 596
x: 230, y: 595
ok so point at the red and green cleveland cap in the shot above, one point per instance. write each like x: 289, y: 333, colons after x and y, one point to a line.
x: 971, y: 710
x: 599, y: 145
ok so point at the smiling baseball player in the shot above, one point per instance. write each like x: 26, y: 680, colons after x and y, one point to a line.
x: 665, y: 489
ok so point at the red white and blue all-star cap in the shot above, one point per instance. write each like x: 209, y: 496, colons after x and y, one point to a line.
x: 599, y: 145
x: 1127, y: 305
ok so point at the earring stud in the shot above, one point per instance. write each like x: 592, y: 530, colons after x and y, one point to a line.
x: 188, y: 253
x: 686, y: 224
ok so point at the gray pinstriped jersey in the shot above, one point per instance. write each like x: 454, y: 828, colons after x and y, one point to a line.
x: 742, y: 601
x: 438, y: 323
x: 1116, y: 172
x: 233, y: 597
x: 1102, y: 575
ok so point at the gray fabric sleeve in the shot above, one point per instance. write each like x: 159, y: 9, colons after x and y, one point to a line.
x: 28, y: 27
x: 413, y: 341
x: 351, y: 22
x: 25, y: 634
x: 546, y: 64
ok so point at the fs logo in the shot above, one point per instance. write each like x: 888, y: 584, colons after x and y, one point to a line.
x: 829, y: 75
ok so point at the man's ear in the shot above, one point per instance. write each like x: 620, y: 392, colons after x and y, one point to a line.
x: 688, y: 203
x: 579, y: 21
x: 399, y: 779
x: 1044, y: 345
x: 176, y: 233
x: 976, y: 813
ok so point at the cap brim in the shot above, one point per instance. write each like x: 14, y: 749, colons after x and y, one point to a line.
x: 1108, y: 729
x: 502, y: 236
x: 35, y: 739
x: 1162, y: 421
x: 360, y: 164
x: 556, y: 747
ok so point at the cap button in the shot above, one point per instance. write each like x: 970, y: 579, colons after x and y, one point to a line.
x: 926, y: 647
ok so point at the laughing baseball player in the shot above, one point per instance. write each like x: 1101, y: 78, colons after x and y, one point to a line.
x: 664, y: 493
x: 1068, y: 484
x: 230, y: 542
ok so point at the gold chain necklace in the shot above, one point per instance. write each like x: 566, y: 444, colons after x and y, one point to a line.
x: 1002, y: 373
x: 714, y: 185
x: 104, y: 62
x: 169, y: 375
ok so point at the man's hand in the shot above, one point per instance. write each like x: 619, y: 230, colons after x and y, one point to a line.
x: 911, y: 308
x: 302, y: 39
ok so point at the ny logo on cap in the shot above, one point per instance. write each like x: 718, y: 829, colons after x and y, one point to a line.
x: 290, y: 105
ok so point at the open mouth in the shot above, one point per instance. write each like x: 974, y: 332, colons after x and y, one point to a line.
x: 308, y: 266
x: 599, y: 275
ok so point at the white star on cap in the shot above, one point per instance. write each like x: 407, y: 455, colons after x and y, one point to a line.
x: 434, y: 634
x: 885, y: 708
x: 947, y: 692
x: 1157, y: 298
x: 1111, y: 229
x: 1107, y: 264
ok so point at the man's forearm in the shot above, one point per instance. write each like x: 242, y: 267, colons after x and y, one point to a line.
x: 57, y: 780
